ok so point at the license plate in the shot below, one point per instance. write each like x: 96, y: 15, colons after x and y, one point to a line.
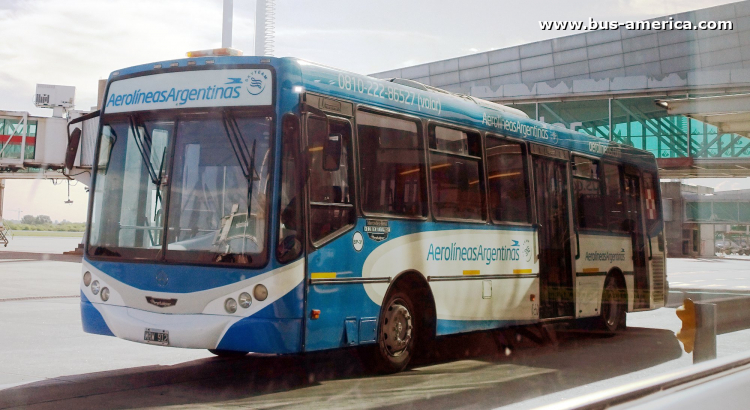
x: 155, y: 336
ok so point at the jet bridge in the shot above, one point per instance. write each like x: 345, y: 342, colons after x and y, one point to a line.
x: 35, y: 147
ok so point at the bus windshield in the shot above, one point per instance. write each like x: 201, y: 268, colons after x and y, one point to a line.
x: 204, y: 176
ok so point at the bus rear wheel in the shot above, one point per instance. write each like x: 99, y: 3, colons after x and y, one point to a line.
x: 614, y: 304
x: 397, y: 333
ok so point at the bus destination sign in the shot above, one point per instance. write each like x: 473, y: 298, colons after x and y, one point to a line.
x: 191, y: 89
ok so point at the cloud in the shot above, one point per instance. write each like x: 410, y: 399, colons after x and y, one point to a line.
x: 78, y: 42
x: 645, y: 9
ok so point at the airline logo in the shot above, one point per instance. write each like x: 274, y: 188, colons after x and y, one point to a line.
x: 191, y: 89
x: 486, y: 254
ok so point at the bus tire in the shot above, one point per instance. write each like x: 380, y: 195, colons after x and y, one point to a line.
x: 614, y: 305
x: 398, y: 332
x: 227, y: 353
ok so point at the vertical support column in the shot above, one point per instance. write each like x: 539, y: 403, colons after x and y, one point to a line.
x: 2, y: 197
x: 260, y: 27
x: 629, y: 131
x: 226, y: 28
x: 690, y: 139
x: 705, y: 139
x: 25, y: 128
x: 536, y: 107
x: 610, y: 118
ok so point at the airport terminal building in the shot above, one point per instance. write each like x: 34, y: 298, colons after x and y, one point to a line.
x: 605, y: 83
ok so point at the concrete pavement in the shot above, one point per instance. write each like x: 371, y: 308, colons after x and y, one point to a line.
x: 46, y: 361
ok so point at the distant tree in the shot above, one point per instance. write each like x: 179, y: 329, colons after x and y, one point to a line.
x: 28, y: 219
x: 42, y: 219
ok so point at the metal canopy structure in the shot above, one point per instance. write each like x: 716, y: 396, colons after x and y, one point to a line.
x: 729, y: 114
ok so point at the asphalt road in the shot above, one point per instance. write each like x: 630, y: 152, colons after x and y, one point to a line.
x: 47, y: 362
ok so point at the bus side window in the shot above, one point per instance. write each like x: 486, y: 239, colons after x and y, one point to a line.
x: 331, y: 196
x: 588, y: 193
x: 290, y: 212
x: 613, y: 200
x: 392, y: 166
x: 508, y: 186
x: 455, y: 165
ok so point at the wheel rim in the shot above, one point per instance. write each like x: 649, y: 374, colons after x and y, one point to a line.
x: 397, y: 328
x: 611, y: 305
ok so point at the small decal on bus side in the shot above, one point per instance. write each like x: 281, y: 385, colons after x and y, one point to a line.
x: 377, y: 230
x: 358, y: 241
x: 526, y: 249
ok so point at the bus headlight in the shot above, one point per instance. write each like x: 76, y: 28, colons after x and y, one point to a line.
x: 95, y: 287
x: 105, y: 294
x: 230, y: 305
x: 87, y: 278
x: 260, y: 292
x: 245, y: 300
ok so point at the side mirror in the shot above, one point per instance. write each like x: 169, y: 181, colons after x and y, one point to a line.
x: 74, y: 138
x: 72, y: 150
x: 332, y: 153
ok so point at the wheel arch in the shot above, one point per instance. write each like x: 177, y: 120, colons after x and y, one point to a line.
x: 619, y: 276
x: 416, y: 284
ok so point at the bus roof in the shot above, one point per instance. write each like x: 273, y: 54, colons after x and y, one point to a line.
x: 427, y: 102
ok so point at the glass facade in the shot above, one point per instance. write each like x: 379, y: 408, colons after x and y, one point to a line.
x: 640, y: 123
x: 13, y: 126
x: 738, y: 212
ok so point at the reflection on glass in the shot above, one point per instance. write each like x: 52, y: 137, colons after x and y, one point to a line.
x: 213, y: 181
x: 217, y: 208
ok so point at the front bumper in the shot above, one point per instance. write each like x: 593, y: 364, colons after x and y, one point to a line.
x: 196, y: 331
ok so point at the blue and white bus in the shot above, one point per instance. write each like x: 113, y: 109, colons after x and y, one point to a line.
x: 273, y: 205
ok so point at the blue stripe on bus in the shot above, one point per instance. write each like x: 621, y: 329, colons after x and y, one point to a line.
x: 268, y: 331
x: 92, y: 320
x: 256, y: 335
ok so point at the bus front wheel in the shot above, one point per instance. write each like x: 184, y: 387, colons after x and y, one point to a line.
x: 397, y: 333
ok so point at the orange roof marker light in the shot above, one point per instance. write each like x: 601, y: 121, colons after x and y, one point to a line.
x: 216, y: 52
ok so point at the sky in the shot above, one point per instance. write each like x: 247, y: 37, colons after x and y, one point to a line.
x: 78, y: 42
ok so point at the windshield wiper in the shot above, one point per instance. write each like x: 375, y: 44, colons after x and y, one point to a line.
x: 245, y: 157
x: 246, y: 160
x: 144, y: 147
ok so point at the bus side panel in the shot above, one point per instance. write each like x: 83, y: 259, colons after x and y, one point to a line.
x: 339, y: 304
x: 481, y: 276
x: 454, y: 258
x: 600, y: 253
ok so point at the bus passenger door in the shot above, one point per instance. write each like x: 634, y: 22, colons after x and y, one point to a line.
x: 331, y: 217
x: 553, y: 218
x: 633, y: 208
